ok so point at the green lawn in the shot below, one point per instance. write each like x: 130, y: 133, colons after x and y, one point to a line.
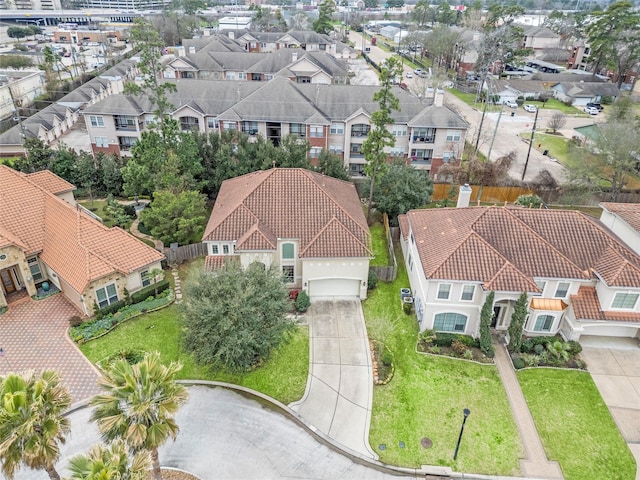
x: 557, y: 145
x: 379, y: 243
x: 283, y: 377
x: 553, y: 104
x: 575, y: 425
x: 426, y: 397
x: 97, y: 207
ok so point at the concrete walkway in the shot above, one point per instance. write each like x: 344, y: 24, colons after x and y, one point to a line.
x: 137, y: 233
x: 536, y: 464
x: 339, y: 391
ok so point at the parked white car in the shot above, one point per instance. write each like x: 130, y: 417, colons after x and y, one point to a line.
x: 511, y: 103
x: 591, y: 110
x: 409, y: 75
x: 530, y: 108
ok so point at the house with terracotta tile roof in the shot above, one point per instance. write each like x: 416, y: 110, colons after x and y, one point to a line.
x: 310, y: 226
x: 580, y: 278
x: 46, y: 237
x: 623, y: 219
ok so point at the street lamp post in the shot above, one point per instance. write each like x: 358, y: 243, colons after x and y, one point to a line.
x: 466, y: 413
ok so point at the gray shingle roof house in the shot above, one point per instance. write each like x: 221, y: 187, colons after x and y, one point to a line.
x: 581, y: 93
x: 310, y: 226
x: 579, y: 277
x: 331, y: 117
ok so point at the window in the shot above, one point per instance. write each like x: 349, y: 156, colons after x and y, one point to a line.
x: 102, y: 142
x: 298, y: 129
x: 467, y: 292
x: 356, y: 149
x: 337, y: 128
x: 189, y: 124
x: 34, y: 267
x: 543, y: 323
x: 625, y: 300
x: 562, y: 290
x: 149, y: 120
x: 427, y: 135
x: 360, y: 130
x: 421, y: 155
x: 399, y: 130
x: 540, y: 284
x: 448, y: 156
x: 444, y: 290
x: 230, y: 75
x: 212, y: 123
x: 288, y: 273
x: 96, y: 121
x: 242, y: 76
x: 125, y: 143
x: 215, y: 250
x: 229, y: 126
x: 315, y: 152
x: 107, y: 295
x: 145, y: 278
x: 453, y: 135
x: 316, y: 131
x: 250, y: 128
x: 124, y: 122
x: 449, y: 322
x: 268, y: 76
x: 396, y: 151
x: 288, y: 250
x: 335, y: 148
x: 225, y: 249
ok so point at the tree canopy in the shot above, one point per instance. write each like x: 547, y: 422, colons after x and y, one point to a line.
x: 234, y: 318
x: 325, y: 15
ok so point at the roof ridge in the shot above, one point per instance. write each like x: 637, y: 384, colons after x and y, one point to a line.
x: 544, y: 240
x: 333, y: 220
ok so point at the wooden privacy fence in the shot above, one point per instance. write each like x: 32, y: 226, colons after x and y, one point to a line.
x: 387, y: 273
x: 488, y: 194
x: 186, y: 252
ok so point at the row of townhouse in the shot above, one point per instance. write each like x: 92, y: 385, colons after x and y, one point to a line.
x: 331, y: 117
x: 52, y: 122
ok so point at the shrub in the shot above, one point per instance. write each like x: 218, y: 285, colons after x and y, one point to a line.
x: 538, y: 349
x: 302, y: 302
x: 146, y: 292
x: 467, y: 340
x: 372, y: 281
x: 75, y: 321
x: 531, y: 360
x: 518, y: 363
x: 468, y: 355
x: 130, y: 210
x: 387, y: 358
x: 109, y: 309
x: 573, y: 347
x: 406, y: 308
x: 444, y: 339
x: 428, y: 335
x: 435, y: 349
x: 459, y: 347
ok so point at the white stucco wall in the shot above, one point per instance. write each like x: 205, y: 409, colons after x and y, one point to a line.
x: 622, y: 229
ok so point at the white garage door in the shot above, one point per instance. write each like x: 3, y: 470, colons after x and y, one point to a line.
x: 334, y: 287
x: 610, y: 331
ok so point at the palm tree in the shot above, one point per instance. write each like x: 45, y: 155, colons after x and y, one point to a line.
x: 139, y: 403
x: 110, y: 462
x: 31, y: 423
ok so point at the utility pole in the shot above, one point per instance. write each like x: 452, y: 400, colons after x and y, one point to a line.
x: 533, y: 131
x: 495, y: 131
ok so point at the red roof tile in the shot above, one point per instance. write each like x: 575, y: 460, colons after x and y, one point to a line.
x: 79, y: 248
x: 291, y: 203
x: 216, y: 262
x: 629, y: 212
x: 50, y: 182
x: 504, y: 248
x: 586, y: 306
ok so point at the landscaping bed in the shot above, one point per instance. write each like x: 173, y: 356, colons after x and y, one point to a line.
x: 548, y: 352
x: 452, y: 345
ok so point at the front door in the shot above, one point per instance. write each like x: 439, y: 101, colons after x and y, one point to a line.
x: 496, y: 316
x: 7, y: 281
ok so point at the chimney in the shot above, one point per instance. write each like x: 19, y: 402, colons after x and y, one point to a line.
x: 294, y: 56
x: 232, y: 35
x: 464, y: 195
x: 438, y: 100
x: 192, y: 49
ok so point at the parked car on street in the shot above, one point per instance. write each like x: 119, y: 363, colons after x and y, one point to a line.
x: 409, y: 75
x: 511, y: 103
x: 595, y: 105
x: 530, y: 108
x: 591, y: 110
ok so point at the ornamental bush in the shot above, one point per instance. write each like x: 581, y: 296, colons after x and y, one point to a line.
x: 302, y: 302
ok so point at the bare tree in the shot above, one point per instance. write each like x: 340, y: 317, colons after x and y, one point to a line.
x: 557, y: 121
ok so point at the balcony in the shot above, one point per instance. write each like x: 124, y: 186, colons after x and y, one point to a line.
x: 360, y: 130
x: 430, y: 139
x: 423, y: 161
x: 125, y: 125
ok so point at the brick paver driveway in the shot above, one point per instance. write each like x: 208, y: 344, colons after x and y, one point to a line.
x: 33, y: 336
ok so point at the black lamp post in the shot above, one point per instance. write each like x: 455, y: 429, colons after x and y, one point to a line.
x: 466, y: 413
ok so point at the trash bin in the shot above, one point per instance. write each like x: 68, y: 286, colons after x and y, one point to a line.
x: 513, y: 114
x: 546, y: 152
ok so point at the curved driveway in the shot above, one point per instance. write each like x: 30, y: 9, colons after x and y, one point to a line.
x: 224, y: 435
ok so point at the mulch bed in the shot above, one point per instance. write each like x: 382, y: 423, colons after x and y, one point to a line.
x: 177, y: 475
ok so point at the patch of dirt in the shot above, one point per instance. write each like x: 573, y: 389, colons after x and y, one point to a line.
x: 170, y: 474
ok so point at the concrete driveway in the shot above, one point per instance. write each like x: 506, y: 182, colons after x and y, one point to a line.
x: 33, y: 336
x: 614, y: 365
x: 339, y: 391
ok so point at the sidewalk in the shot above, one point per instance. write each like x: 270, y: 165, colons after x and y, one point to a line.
x: 536, y: 464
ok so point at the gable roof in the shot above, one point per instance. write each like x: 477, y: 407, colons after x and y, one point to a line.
x: 77, y: 247
x: 322, y: 213
x: 588, y: 89
x: 477, y: 244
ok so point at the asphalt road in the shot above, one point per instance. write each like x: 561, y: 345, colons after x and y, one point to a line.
x: 508, y: 131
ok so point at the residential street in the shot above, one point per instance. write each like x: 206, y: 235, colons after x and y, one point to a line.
x: 507, y: 138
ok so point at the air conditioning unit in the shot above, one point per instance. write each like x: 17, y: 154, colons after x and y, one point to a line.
x: 405, y: 292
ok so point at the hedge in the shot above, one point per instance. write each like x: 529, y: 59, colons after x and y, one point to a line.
x: 142, y: 295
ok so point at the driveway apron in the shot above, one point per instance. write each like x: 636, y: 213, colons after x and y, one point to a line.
x: 33, y: 336
x: 614, y: 367
x: 339, y: 391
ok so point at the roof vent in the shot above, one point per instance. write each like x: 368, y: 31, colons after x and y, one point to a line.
x: 464, y: 196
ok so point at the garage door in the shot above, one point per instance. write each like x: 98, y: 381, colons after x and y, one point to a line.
x: 610, y: 331
x: 334, y: 287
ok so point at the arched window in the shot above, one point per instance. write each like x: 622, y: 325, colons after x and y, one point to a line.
x: 449, y: 322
